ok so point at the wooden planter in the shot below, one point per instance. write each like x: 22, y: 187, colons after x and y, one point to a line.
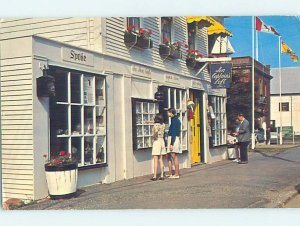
x: 144, y: 43
x: 167, y: 52
x: 130, y: 39
x: 191, y: 63
x: 62, y: 180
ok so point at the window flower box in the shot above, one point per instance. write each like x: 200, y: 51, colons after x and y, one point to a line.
x: 169, y: 50
x: 139, y: 39
x: 191, y: 59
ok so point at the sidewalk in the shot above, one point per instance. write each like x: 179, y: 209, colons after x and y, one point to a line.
x: 266, y: 181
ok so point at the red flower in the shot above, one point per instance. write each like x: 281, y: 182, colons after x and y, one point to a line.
x: 142, y: 30
x: 62, y: 153
x: 129, y: 28
x: 186, y: 46
x: 166, y: 40
x: 199, y: 55
x: 68, y: 154
x: 178, y: 43
x: 150, y: 31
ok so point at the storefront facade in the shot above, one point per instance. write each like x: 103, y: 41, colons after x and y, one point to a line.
x: 102, y: 113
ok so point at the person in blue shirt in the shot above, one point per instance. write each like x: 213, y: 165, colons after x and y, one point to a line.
x: 173, y: 147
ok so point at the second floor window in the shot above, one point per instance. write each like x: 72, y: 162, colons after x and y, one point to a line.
x: 166, y: 28
x: 192, y: 35
x: 134, y: 21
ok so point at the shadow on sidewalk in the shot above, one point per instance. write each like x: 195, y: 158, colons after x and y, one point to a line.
x: 274, y: 156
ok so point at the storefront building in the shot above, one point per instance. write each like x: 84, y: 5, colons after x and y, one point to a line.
x: 104, y: 104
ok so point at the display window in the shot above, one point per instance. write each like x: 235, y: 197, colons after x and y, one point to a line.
x: 78, y: 116
x: 217, y: 119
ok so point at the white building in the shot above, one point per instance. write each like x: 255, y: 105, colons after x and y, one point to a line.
x: 290, y: 97
x: 104, y: 105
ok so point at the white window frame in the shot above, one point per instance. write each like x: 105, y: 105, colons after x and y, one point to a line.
x: 98, y: 132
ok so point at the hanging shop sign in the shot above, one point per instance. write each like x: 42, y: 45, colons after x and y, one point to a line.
x: 77, y: 56
x: 141, y: 71
x: 220, y: 75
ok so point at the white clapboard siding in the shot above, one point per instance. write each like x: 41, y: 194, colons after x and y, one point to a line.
x: 115, y: 27
x: 16, y: 127
x: 77, y: 31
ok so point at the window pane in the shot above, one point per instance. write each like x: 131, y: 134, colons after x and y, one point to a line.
x: 75, y: 88
x: 177, y: 99
x: 59, y: 119
x: 145, y: 108
x: 99, y: 91
x: 172, y: 96
x: 76, y: 149
x: 139, y: 130
x: 88, y: 120
x: 140, y: 142
x: 100, y: 147
x: 152, y: 108
x: 147, y: 130
x: 138, y: 107
x: 61, y: 85
x: 147, y: 142
x: 151, y: 119
x: 58, y: 144
x: 76, y: 120
x: 139, y: 119
x: 88, y: 91
x: 145, y: 119
x: 88, y: 150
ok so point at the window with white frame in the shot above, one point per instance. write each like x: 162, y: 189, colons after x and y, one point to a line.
x: 218, y: 120
x: 166, y: 29
x: 78, y: 116
x: 143, y: 113
x: 135, y: 22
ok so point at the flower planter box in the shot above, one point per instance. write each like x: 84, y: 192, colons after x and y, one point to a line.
x: 167, y: 52
x: 130, y: 39
x: 144, y: 43
x: 62, y: 180
x: 191, y: 63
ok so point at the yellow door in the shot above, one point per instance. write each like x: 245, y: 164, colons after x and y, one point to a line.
x: 195, y: 127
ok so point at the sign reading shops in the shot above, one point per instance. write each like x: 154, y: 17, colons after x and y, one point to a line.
x: 220, y: 75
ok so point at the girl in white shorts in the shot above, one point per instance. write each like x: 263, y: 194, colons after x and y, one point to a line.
x: 158, y: 147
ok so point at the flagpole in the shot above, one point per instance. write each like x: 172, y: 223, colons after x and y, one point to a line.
x: 280, y: 103
x: 256, y: 49
x: 252, y: 84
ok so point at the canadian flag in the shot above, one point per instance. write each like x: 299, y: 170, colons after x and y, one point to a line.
x: 261, y: 26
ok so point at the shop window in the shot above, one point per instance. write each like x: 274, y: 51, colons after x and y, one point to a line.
x: 175, y: 98
x: 192, y: 35
x: 166, y: 29
x: 284, y: 106
x: 217, y: 120
x: 78, y: 116
x: 143, y: 114
x: 135, y: 22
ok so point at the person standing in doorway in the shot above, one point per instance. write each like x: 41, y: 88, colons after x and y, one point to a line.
x: 173, y: 147
x: 243, y: 138
x: 158, y: 147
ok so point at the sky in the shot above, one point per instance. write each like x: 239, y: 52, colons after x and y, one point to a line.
x: 268, y: 44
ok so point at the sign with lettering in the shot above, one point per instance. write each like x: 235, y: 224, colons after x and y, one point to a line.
x: 77, y: 56
x: 139, y: 70
x: 220, y: 75
x: 172, y: 78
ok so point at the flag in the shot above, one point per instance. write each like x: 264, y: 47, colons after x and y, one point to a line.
x: 285, y: 48
x: 294, y: 57
x: 261, y: 26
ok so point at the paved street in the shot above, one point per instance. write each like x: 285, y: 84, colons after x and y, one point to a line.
x: 269, y: 180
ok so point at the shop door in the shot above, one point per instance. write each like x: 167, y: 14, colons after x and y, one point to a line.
x: 195, y: 127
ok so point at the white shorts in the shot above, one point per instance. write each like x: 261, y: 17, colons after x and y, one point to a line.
x: 176, y: 145
x: 159, y: 147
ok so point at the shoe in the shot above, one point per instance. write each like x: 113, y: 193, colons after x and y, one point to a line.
x: 174, y: 177
x: 161, y: 178
x: 168, y: 175
x: 235, y: 160
x: 153, y: 178
x: 242, y: 162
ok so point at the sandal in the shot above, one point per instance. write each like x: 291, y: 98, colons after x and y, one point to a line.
x: 153, y: 178
x: 161, y: 178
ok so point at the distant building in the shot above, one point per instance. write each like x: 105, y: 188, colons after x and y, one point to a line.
x: 290, y: 97
x: 239, y: 95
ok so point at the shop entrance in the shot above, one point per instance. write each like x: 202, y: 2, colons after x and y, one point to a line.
x: 195, y: 128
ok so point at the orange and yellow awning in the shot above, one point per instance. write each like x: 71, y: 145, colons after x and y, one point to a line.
x: 191, y: 19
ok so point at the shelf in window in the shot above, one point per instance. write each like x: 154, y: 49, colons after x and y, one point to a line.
x: 62, y: 103
x: 76, y: 135
x: 89, y: 134
x: 76, y: 104
x: 62, y: 136
x: 89, y: 105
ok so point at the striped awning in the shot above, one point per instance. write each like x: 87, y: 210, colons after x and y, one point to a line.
x: 191, y: 19
x: 218, y: 28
